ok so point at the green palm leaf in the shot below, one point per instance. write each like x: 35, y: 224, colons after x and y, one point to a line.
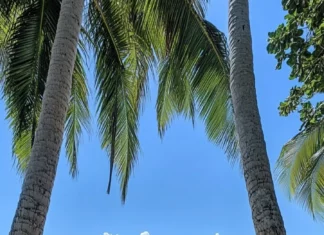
x: 211, y: 85
x: 175, y: 96
x: 122, y: 63
x: 194, y: 73
x: 78, y: 115
x: 300, y: 169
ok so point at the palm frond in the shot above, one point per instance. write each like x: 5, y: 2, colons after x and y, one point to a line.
x: 175, y: 96
x: 122, y: 63
x: 28, y: 56
x: 194, y: 73
x: 78, y: 115
x: 211, y: 86
x: 300, y: 169
x: 29, y: 50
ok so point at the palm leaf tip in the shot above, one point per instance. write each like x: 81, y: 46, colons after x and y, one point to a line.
x: 300, y: 169
x: 121, y: 81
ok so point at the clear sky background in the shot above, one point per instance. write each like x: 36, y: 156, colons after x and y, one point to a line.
x: 181, y: 185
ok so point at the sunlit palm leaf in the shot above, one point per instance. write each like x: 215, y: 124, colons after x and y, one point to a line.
x: 194, y: 72
x: 175, y: 96
x: 211, y: 85
x: 300, y: 169
x: 122, y: 63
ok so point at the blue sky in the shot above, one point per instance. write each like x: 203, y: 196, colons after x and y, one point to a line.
x: 182, y: 184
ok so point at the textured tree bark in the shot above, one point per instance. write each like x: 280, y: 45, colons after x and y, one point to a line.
x: 34, y: 199
x: 266, y: 214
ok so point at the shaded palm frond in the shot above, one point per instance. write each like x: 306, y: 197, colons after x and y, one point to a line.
x: 7, y: 24
x: 300, y: 169
x: 122, y: 62
x: 163, y: 20
x: 28, y: 60
x: 4, y: 34
x: 78, y: 115
x: 28, y: 51
x: 7, y: 6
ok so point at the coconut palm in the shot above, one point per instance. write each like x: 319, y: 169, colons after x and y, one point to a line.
x: 39, y: 179
x: 300, y: 169
x: 265, y: 210
x: 122, y: 37
x: 27, y: 46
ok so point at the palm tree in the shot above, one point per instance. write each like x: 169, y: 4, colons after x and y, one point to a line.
x: 26, y: 44
x: 265, y: 210
x: 38, y: 183
x: 119, y: 37
x: 300, y: 169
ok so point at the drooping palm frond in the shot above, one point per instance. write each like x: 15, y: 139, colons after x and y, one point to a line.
x: 29, y: 53
x: 194, y: 73
x: 78, y: 115
x: 122, y: 62
x: 300, y: 169
x: 29, y: 49
x: 175, y: 96
x: 213, y: 97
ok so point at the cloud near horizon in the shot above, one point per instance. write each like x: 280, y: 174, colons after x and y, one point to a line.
x: 145, y: 233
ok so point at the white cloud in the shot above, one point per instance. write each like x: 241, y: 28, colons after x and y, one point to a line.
x: 217, y: 234
x: 145, y: 233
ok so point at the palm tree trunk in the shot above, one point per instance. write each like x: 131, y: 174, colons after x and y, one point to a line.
x: 265, y: 210
x: 39, y: 180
